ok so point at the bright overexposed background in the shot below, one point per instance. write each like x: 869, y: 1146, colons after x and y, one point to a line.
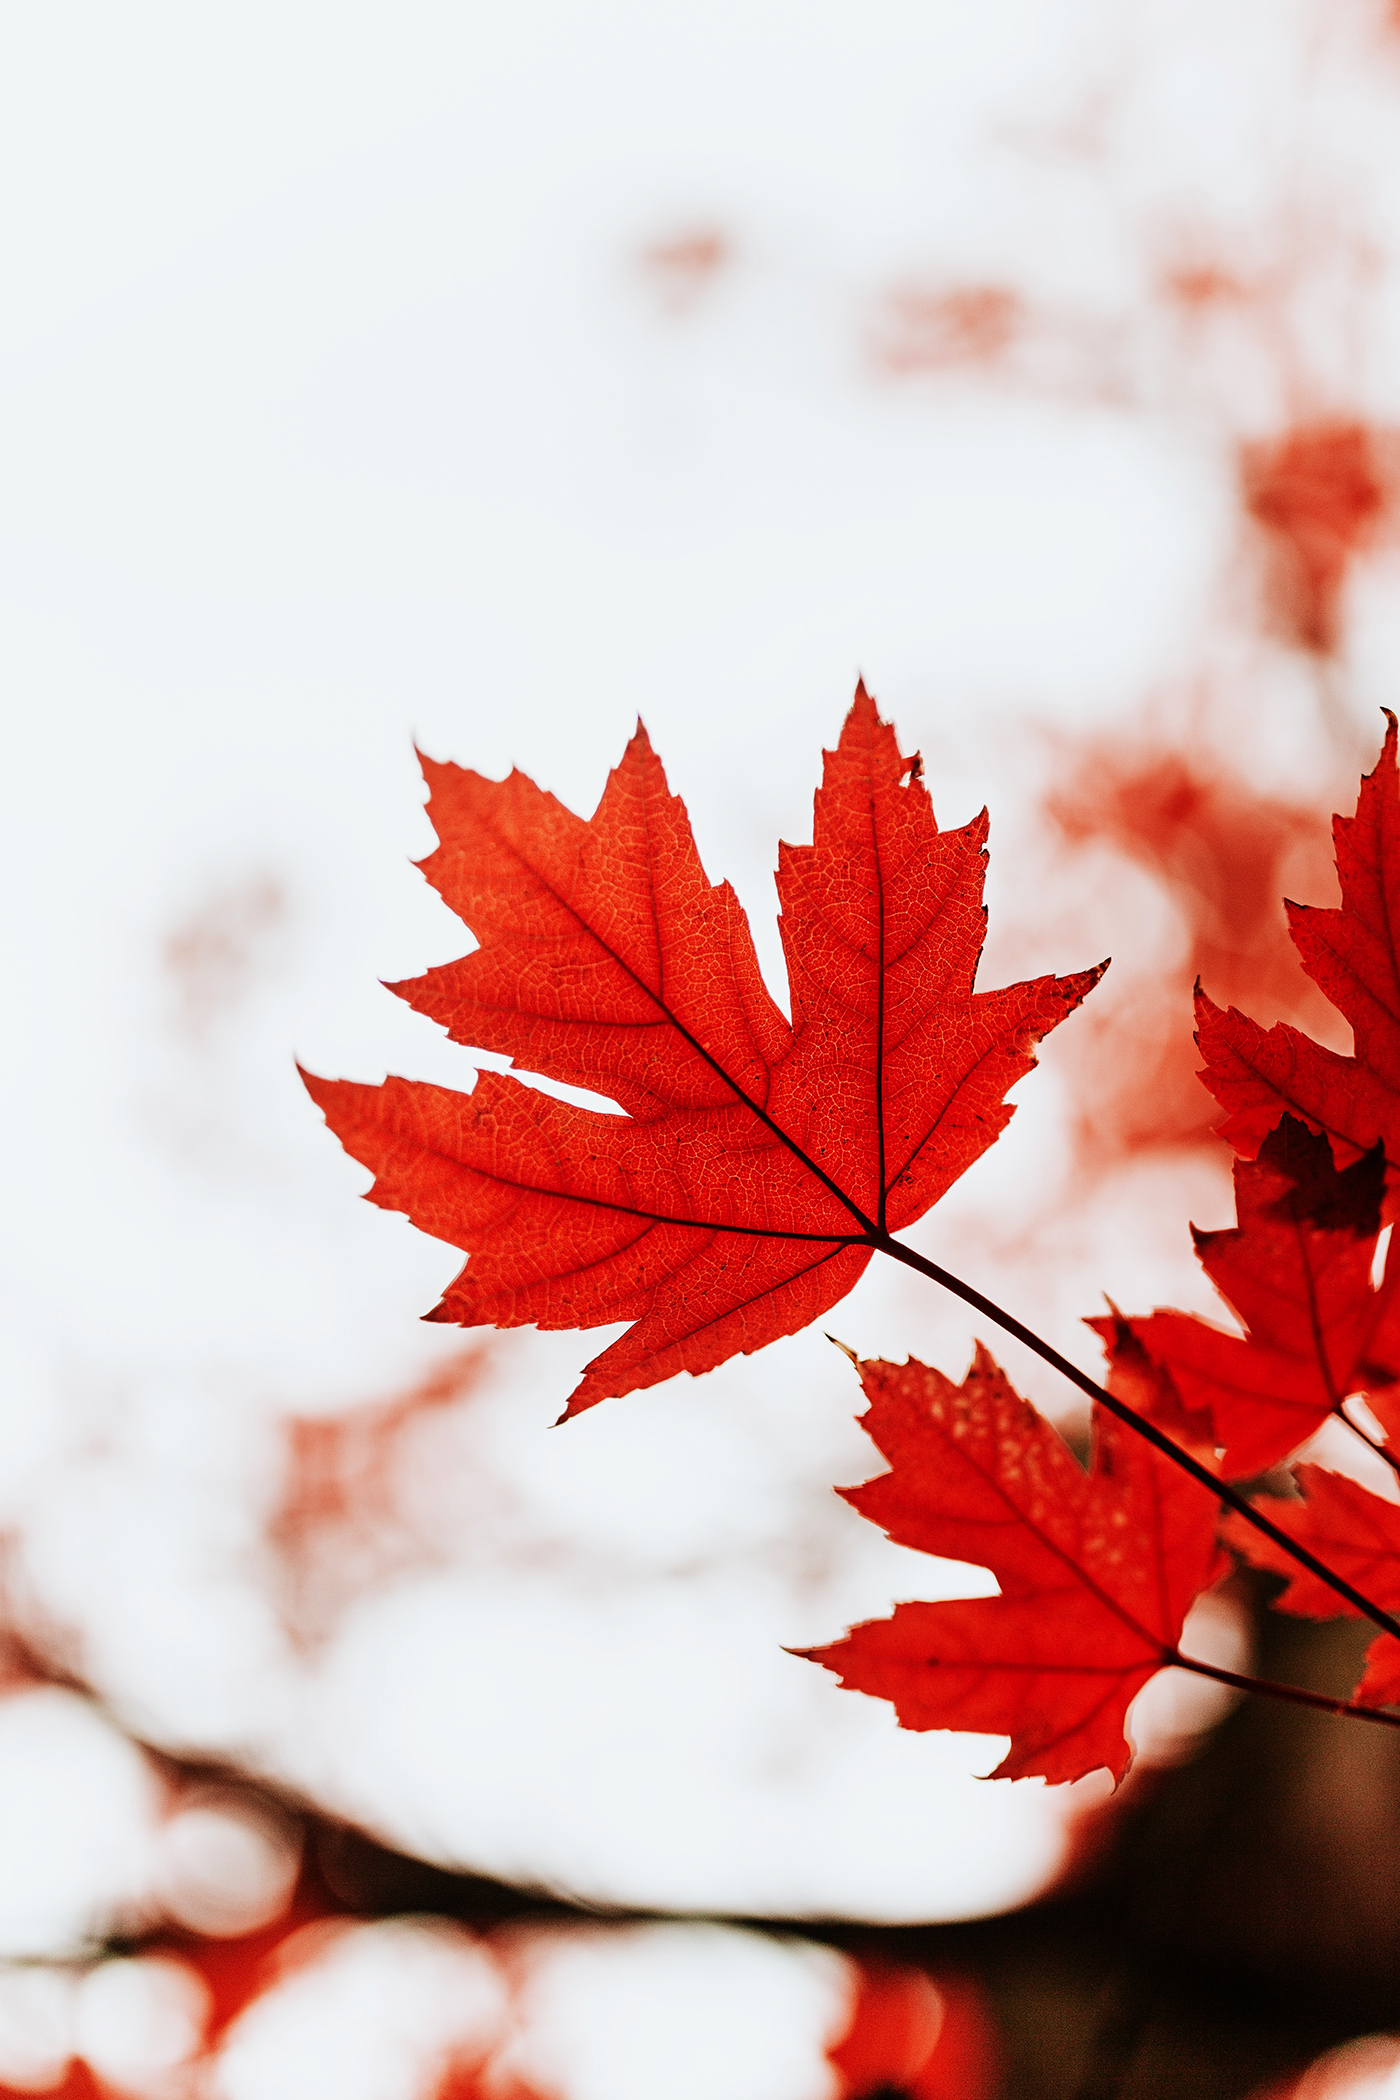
x: 484, y: 376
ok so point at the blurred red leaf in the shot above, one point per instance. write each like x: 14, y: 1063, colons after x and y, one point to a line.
x: 684, y: 267
x: 934, y: 330
x: 1351, y: 954
x: 929, y: 2037
x: 1318, y: 493
x: 1097, y: 1570
x: 479, y: 2082
x: 1355, y: 1532
x: 77, y: 2083
x: 966, y: 2062
x: 1216, y: 848
x: 756, y: 1164
x: 1297, y: 1270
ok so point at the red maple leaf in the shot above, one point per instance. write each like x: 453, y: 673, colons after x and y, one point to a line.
x: 1149, y: 1389
x: 1097, y: 1570
x: 1351, y: 954
x: 1297, y: 1270
x: 757, y: 1163
x: 1356, y: 1533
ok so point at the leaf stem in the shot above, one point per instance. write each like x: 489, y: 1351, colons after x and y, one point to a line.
x: 1221, y: 1489
x: 1270, y: 1690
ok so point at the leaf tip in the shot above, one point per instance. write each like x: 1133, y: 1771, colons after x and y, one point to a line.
x: 314, y: 1084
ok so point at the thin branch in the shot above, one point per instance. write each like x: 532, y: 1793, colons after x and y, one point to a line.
x: 1269, y: 1690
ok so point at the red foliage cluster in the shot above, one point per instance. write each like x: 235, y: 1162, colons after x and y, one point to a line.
x: 234, y: 1971
x: 1097, y: 1573
x: 1217, y: 847
x: 1257, y: 1075
x: 1297, y: 1271
x: 1320, y: 493
x: 756, y: 1166
x: 1317, y: 493
x: 930, y: 2037
x: 925, y: 2037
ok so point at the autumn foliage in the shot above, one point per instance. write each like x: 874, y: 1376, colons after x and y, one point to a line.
x: 1350, y: 952
x: 757, y: 1163
x: 1097, y: 1571
x: 1297, y: 1271
x: 1221, y: 851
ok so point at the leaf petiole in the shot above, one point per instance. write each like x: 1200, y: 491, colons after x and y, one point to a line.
x: 1269, y: 1690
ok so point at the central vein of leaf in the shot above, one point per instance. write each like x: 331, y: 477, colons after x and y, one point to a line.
x: 868, y: 1228
x: 879, y: 1011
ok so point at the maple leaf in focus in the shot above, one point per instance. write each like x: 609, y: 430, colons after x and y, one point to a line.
x: 1350, y: 952
x: 757, y: 1163
x: 1297, y: 1270
x: 1097, y: 1570
x: 1354, y: 1532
